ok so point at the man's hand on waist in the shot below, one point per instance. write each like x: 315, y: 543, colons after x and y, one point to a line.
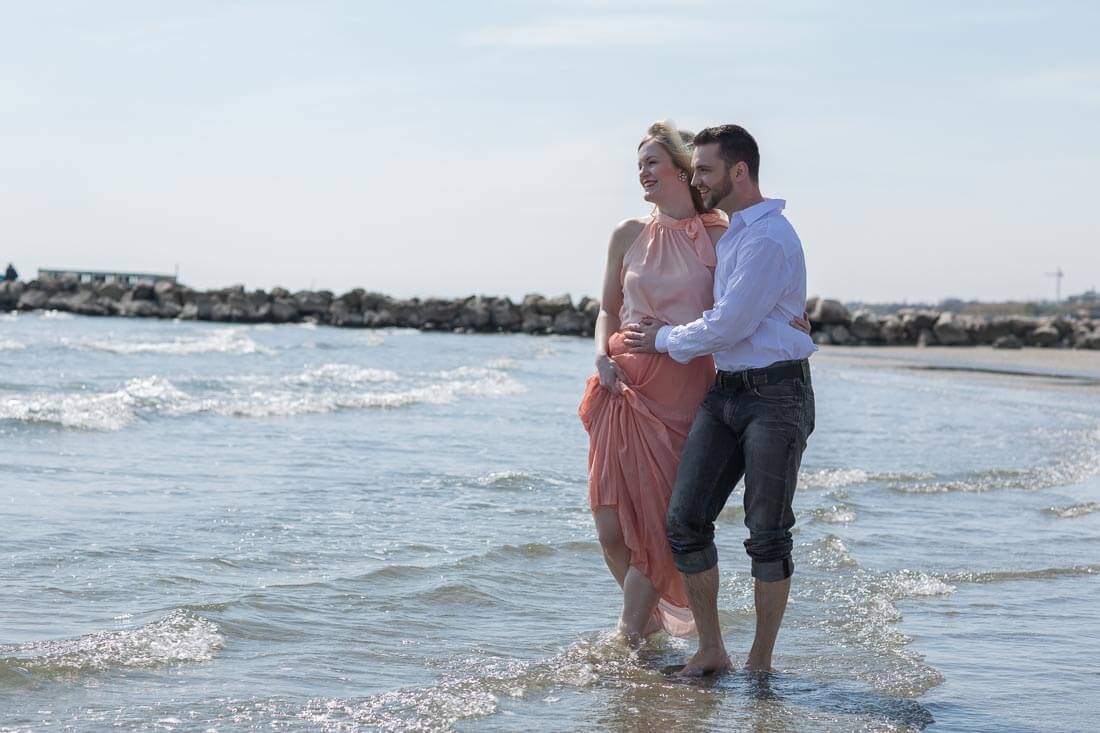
x: 641, y: 338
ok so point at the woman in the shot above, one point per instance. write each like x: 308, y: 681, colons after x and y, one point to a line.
x: 638, y: 408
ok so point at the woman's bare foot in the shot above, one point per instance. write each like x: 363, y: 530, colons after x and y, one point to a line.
x: 630, y: 637
x: 652, y: 627
x: 707, y: 662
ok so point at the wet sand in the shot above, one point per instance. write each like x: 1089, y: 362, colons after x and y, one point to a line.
x: 1068, y: 366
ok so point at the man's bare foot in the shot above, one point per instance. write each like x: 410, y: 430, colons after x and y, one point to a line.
x: 707, y: 662
x: 753, y: 666
x: 652, y: 627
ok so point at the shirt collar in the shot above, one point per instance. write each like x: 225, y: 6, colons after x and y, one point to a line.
x: 760, y: 210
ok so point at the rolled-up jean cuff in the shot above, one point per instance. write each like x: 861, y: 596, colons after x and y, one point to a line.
x: 696, y: 562
x: 773, y: 570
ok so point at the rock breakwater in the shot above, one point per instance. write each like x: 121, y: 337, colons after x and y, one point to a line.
x: 832, y: 322
x: 358, y: 308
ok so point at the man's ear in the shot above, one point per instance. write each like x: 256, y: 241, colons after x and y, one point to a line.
x: 740, y: 170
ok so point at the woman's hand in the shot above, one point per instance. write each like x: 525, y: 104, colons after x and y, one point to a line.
x: 611, y: 376
x: 803, y: 323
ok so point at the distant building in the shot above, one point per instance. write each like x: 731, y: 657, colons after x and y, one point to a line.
x: 1088, y: 297
x: 101, y: 276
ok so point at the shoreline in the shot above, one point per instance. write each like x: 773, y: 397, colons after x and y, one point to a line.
x: 1065, y: 367
x: 832, y: 324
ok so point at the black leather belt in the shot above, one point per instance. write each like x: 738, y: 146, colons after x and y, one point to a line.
x: 778, y: 372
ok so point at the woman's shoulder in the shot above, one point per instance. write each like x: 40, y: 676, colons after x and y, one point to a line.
x: 626, y: 232
x: 631, y: 227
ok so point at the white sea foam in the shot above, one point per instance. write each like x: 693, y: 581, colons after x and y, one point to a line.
x: 178, y: 637
x: 327, y: 388
x: 343, y: 374
x: 284, y: 403
x: 9, y: 316
x: 9, y: 345
x: 54, y: 315
x: 830, y: 554
x: 834, y: 514
x: 222, y: 341
x: 832, y: 478
x: 914, y: 583
x: 475, y: 689
x: 1075, y: 510
x: 92, y: 411
x: 506, y: 479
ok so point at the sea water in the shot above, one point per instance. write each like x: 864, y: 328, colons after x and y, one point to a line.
x: 209, y: 527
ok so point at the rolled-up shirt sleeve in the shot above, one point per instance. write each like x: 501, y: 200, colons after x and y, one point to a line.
x: 752, y: 292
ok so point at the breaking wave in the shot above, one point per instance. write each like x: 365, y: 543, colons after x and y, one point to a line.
x: 178, y: 637
x: 322, y: 389
x: 222, y: 341
x: 104, y: 411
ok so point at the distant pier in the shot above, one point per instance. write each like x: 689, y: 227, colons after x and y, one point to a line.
x: 105, y: 276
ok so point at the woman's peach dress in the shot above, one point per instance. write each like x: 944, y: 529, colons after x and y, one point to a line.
x: 635, y: 438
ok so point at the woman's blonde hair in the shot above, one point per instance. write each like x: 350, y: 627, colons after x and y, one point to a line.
x: 678, y: 143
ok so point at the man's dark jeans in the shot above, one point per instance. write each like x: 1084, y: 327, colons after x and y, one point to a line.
x: 752, y: 425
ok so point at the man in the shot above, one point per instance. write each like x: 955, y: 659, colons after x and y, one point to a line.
x: 756, y: 418
x: 10, y: 274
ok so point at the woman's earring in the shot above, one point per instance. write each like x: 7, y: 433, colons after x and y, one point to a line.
x: 683, y: 176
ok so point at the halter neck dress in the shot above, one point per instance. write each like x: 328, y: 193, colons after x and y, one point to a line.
x: 636, y: 437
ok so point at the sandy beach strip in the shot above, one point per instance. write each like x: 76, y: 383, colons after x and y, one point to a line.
x: 1064, y: 366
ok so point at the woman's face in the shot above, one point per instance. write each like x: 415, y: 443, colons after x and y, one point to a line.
x: 656, y: 171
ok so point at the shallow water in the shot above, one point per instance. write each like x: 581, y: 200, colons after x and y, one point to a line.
x: 213, y: 527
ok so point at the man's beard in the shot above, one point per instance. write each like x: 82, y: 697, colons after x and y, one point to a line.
x: 714, y: 195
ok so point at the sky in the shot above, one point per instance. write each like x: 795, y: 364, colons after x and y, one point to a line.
x: 925, y: 150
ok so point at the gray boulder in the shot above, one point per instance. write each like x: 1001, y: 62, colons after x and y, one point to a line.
x: 536, y: 322
x: 1044, y: 336
x: 439, y: 313
x: 131, y: 308
x: 142, y: 291
x: 1008, y: 342
x: 865, y: 326
x: 505, y: 315
x: 476, y: 314
x: 916, y: 321
x: 169, y: 308
x: 829, y: 313
x: 568, y: 322
x: 893, y: 331
x: 927, y: 338
x: 114, y: 291
x: 310, y: 303
x: 346, y: 319
x: 840, y: 335
x: 379, y: 319
x: 32, y: 300
x: 1088, y: 341
x: 951, y: 330
x: 406, y: 313
x: 553, y: 306
x: 282, y: 310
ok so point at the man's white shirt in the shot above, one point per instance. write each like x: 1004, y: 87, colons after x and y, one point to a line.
x: 759, y: 288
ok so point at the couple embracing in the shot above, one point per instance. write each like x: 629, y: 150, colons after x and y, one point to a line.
x: 714, y: 278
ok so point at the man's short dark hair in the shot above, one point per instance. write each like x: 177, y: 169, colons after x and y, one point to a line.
x: 735, y: 144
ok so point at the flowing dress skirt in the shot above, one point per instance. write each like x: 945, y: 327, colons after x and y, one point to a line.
x: 635, y: 441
